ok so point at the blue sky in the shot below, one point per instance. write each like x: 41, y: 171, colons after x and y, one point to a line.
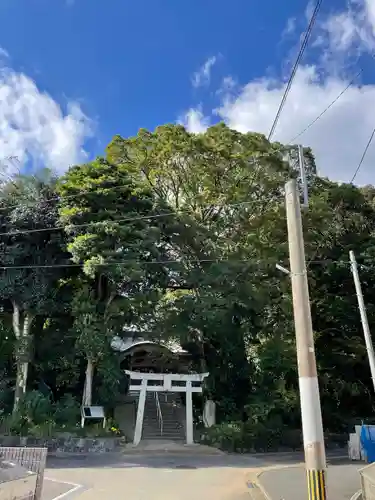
x: 76, y: 72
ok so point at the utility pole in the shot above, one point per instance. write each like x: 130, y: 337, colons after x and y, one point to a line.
x: 311, y: 415
x: 362, y: 310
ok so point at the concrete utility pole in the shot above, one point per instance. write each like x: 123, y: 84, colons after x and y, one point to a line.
x: 362, y: 310
x: 312, y: 425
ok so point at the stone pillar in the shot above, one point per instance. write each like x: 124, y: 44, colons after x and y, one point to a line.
x: 189, y: 414
x: 140, y: 412
x: 209, y: 413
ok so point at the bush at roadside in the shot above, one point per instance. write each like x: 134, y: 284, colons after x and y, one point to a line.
x: 39, y: 417
x: 246, y: 437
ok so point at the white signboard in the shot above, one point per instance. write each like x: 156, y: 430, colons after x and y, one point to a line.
x: 92, y: 413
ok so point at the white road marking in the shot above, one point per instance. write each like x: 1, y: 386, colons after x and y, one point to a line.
x: 357, y: 495
x: 69, y: 492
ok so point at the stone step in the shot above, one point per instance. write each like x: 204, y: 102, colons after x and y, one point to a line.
x: 155, y: 418
x: 177, y: 435
x: 156, y: 426
x: 176, y: 439
x: 158, y: 430
x: 156, y: 423
x: 165, y: 431
x: 167, y: 415
x: 165, y: 446
x: 166, y: 428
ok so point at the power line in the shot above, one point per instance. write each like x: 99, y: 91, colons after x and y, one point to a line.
x: 341, y: 202
x: 327, y: 108
x: 295, y: 67
x: 127, y: 261
x: 100, y: 189
x: 363, y: 156
x: 168, y: 214
x: 113, y: 188
x: 116, y: 221
x: 270, y: 263
x: 68, y: 197
x: 277, y: 150
x: 86, y: 224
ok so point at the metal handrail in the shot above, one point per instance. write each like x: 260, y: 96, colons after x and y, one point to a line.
x: 159, y: 413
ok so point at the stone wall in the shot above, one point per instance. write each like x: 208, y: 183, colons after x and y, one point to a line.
x: 66, y: 444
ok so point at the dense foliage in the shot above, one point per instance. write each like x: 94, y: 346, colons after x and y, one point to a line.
x: 178, y: 235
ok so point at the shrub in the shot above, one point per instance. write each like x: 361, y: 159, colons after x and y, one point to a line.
x: 36, y: 408
x: 44, y: 430
x: 14, y: 425
x: 38, y: 417
x: 249, y: 437
x: 67, y: 411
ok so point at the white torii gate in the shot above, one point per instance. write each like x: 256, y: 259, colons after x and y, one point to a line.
x: 168, y: 383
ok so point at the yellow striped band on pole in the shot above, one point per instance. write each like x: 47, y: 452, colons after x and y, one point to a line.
x: 316, y: 484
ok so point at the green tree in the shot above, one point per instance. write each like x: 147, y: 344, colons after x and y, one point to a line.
x: 114, y: 235
x: 227, y: 188
x: 28, y: 287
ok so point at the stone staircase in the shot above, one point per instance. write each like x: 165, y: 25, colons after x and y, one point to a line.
x: 171, y: 425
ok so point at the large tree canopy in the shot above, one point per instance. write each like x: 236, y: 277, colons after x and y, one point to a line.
x: 177, y: 235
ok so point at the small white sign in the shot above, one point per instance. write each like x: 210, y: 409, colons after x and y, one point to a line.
x: 92, y: 413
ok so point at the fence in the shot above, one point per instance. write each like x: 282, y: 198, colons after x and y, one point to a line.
x: 32, y: 459
x: 368, y: 482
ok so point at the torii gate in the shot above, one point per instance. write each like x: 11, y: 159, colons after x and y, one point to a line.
x: 168, y: 383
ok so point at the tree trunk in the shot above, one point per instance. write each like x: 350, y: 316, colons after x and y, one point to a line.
x: 87, y: 390
x: 21, y: 327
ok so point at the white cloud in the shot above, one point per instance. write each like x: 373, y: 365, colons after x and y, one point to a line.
x: 194, y: 121
x: 290, y: 27
x: 4, y: 54
x: 309, y: 9
x: 34, y: 128
x: 228, y: 83
x: 370, y: 8
x: 203, y: 76
x: 351, y: 31
x: 337, y: 139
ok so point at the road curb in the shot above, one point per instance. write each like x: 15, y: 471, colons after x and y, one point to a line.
x: 261, y: 487
x: 270, y: 469
x: 258, y: 481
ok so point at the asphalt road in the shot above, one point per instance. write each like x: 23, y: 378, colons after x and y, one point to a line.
x: 186, y: 477
x: 149, y: 478
x: 290, y: 483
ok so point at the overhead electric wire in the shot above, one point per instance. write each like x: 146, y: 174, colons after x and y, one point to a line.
x: 125, y: 262
x: 308, y: 126
x: 112, y: 188
x: 102, y: 188
x: 121, y: 263
x: 341, y: 202
x: 363, y: 156
x: 68, y: 197
x: 328, y: 107
x: 167, y: 214
x: 118, y: 221
x: 295, y: 67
